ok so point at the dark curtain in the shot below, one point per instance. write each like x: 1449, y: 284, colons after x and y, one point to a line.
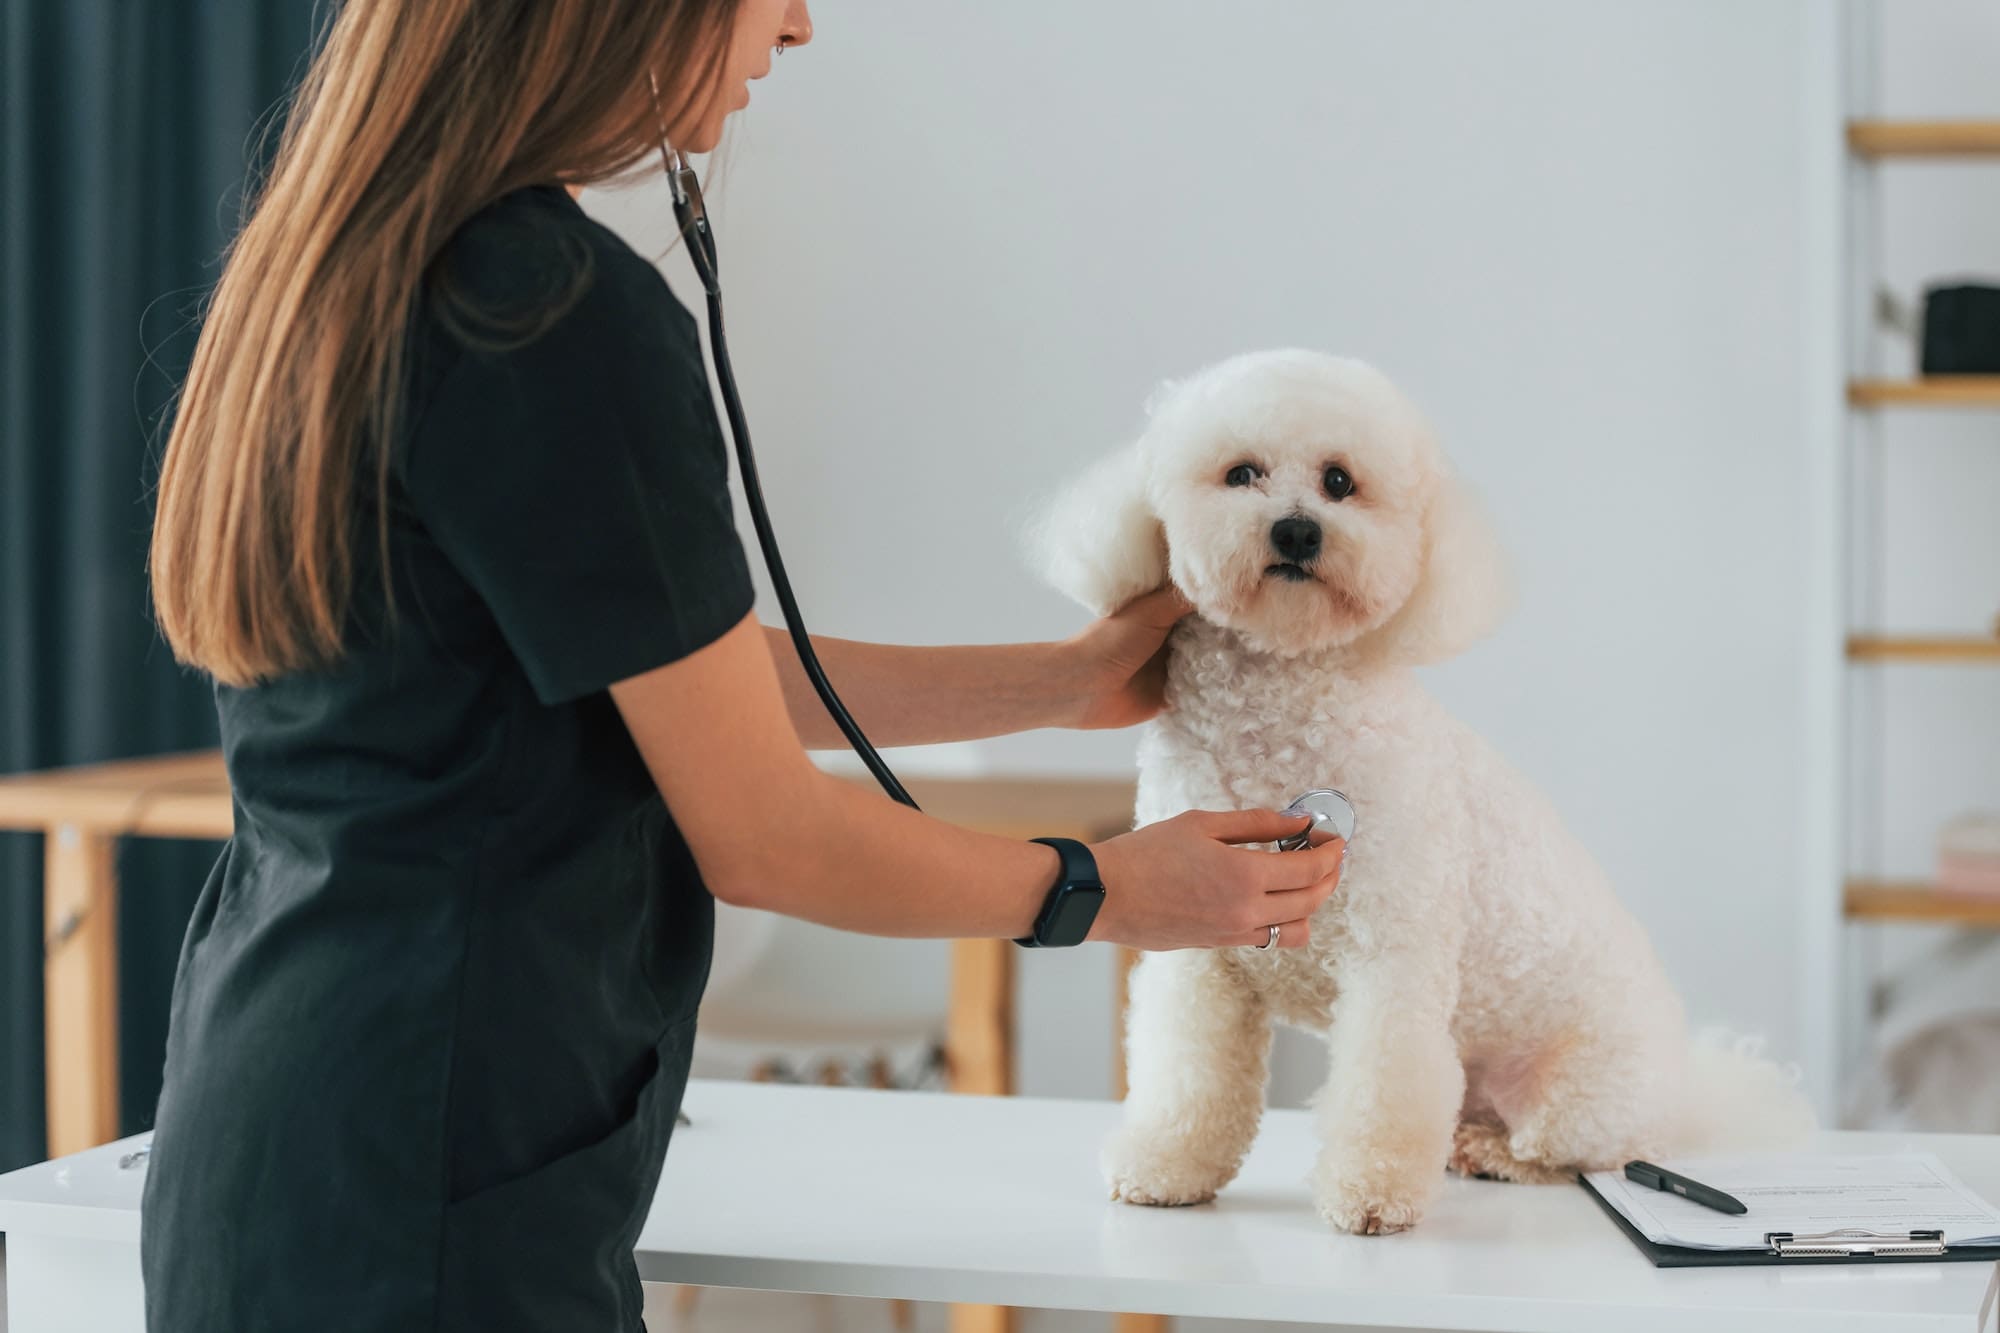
x: 126, y: 131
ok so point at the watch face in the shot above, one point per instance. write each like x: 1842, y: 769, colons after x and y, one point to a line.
x: 1069, y: 919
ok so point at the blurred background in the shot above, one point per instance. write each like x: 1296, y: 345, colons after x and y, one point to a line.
x: 1667, y: 318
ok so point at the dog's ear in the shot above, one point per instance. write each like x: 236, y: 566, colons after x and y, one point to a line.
x: 1462, y: 593
x: 1098, y: 540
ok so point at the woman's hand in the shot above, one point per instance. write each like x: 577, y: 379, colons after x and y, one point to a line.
x: 1183, y: 883
x: 1119, y: 663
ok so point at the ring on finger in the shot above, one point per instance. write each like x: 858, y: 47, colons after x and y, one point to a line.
x: 1270, y: 941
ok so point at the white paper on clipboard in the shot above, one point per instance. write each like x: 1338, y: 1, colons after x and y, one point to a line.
x: 1805, y: 1194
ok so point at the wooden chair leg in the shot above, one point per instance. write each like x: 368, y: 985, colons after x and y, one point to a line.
x: 685, y: 1299
x: 80, y: 988
x: 1121, y: 1001
x: 979, y: 1028
x: 979, y: 1055
x: 902, y: 1316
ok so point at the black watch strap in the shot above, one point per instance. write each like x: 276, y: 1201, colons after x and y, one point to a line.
x: 1071, y: 907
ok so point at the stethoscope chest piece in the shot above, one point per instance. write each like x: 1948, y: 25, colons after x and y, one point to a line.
x: 1332, y: 817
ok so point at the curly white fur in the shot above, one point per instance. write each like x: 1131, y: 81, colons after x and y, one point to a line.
x: 1487, y: 1002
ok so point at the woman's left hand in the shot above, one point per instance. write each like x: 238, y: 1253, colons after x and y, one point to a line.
x: 1120, y: 661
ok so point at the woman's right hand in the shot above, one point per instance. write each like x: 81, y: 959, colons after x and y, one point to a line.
x: 1186, y: 883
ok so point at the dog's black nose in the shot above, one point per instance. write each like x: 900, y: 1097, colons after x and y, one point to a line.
x: 1296, y: 539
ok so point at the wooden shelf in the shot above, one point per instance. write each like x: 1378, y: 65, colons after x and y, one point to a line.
x: 1924, y: 138
x: 1931, y: 391
x: 1921, y: 648
x: 1915, y: 901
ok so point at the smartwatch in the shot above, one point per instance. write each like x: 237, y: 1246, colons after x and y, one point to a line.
x: 1072, y: 904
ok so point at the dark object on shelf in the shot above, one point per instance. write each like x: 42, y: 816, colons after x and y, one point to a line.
x: 1962, y: 330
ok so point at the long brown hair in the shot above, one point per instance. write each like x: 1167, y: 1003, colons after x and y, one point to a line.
x: 414, y: 115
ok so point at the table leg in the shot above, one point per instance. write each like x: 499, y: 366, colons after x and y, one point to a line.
x: 982, y: 1319
x: 80, y: 987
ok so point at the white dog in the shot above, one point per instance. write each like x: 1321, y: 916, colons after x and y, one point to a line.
x: 1488, y: 1003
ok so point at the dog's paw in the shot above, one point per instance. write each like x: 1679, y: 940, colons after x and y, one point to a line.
x: 1161, y: 1170
x: 1486, y: 1151
x: 1480, y: 1151
x: 1370, y: 1197
x: 1362, y: 1211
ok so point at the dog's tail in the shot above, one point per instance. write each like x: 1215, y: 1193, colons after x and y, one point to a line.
x: 1739, y: 1100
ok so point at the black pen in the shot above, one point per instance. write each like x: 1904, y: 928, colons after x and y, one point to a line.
x: 1659, y: 1178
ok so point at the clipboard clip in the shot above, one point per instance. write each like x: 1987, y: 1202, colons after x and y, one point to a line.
x: 1844, y: 1244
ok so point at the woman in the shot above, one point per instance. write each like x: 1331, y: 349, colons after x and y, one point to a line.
x: 445, y: 514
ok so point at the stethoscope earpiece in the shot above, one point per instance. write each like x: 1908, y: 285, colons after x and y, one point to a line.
x: 690, y: 213
x: 692, y: 216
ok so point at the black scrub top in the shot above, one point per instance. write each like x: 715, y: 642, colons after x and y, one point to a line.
x: 434, y: 1010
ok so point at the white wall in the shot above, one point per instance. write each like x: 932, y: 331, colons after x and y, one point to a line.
x: 961, y: 242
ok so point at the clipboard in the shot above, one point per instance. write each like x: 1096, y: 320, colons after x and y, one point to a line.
x: 1789, y: 1249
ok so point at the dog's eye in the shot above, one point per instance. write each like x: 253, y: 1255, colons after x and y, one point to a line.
x: 1338, y: 484
x: 1240, y: 475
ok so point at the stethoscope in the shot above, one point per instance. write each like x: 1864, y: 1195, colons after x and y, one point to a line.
x: 1332, y: 813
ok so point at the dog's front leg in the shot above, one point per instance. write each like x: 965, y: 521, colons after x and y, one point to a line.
x: 1197, y: 1046
x: 1393, y: 1092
